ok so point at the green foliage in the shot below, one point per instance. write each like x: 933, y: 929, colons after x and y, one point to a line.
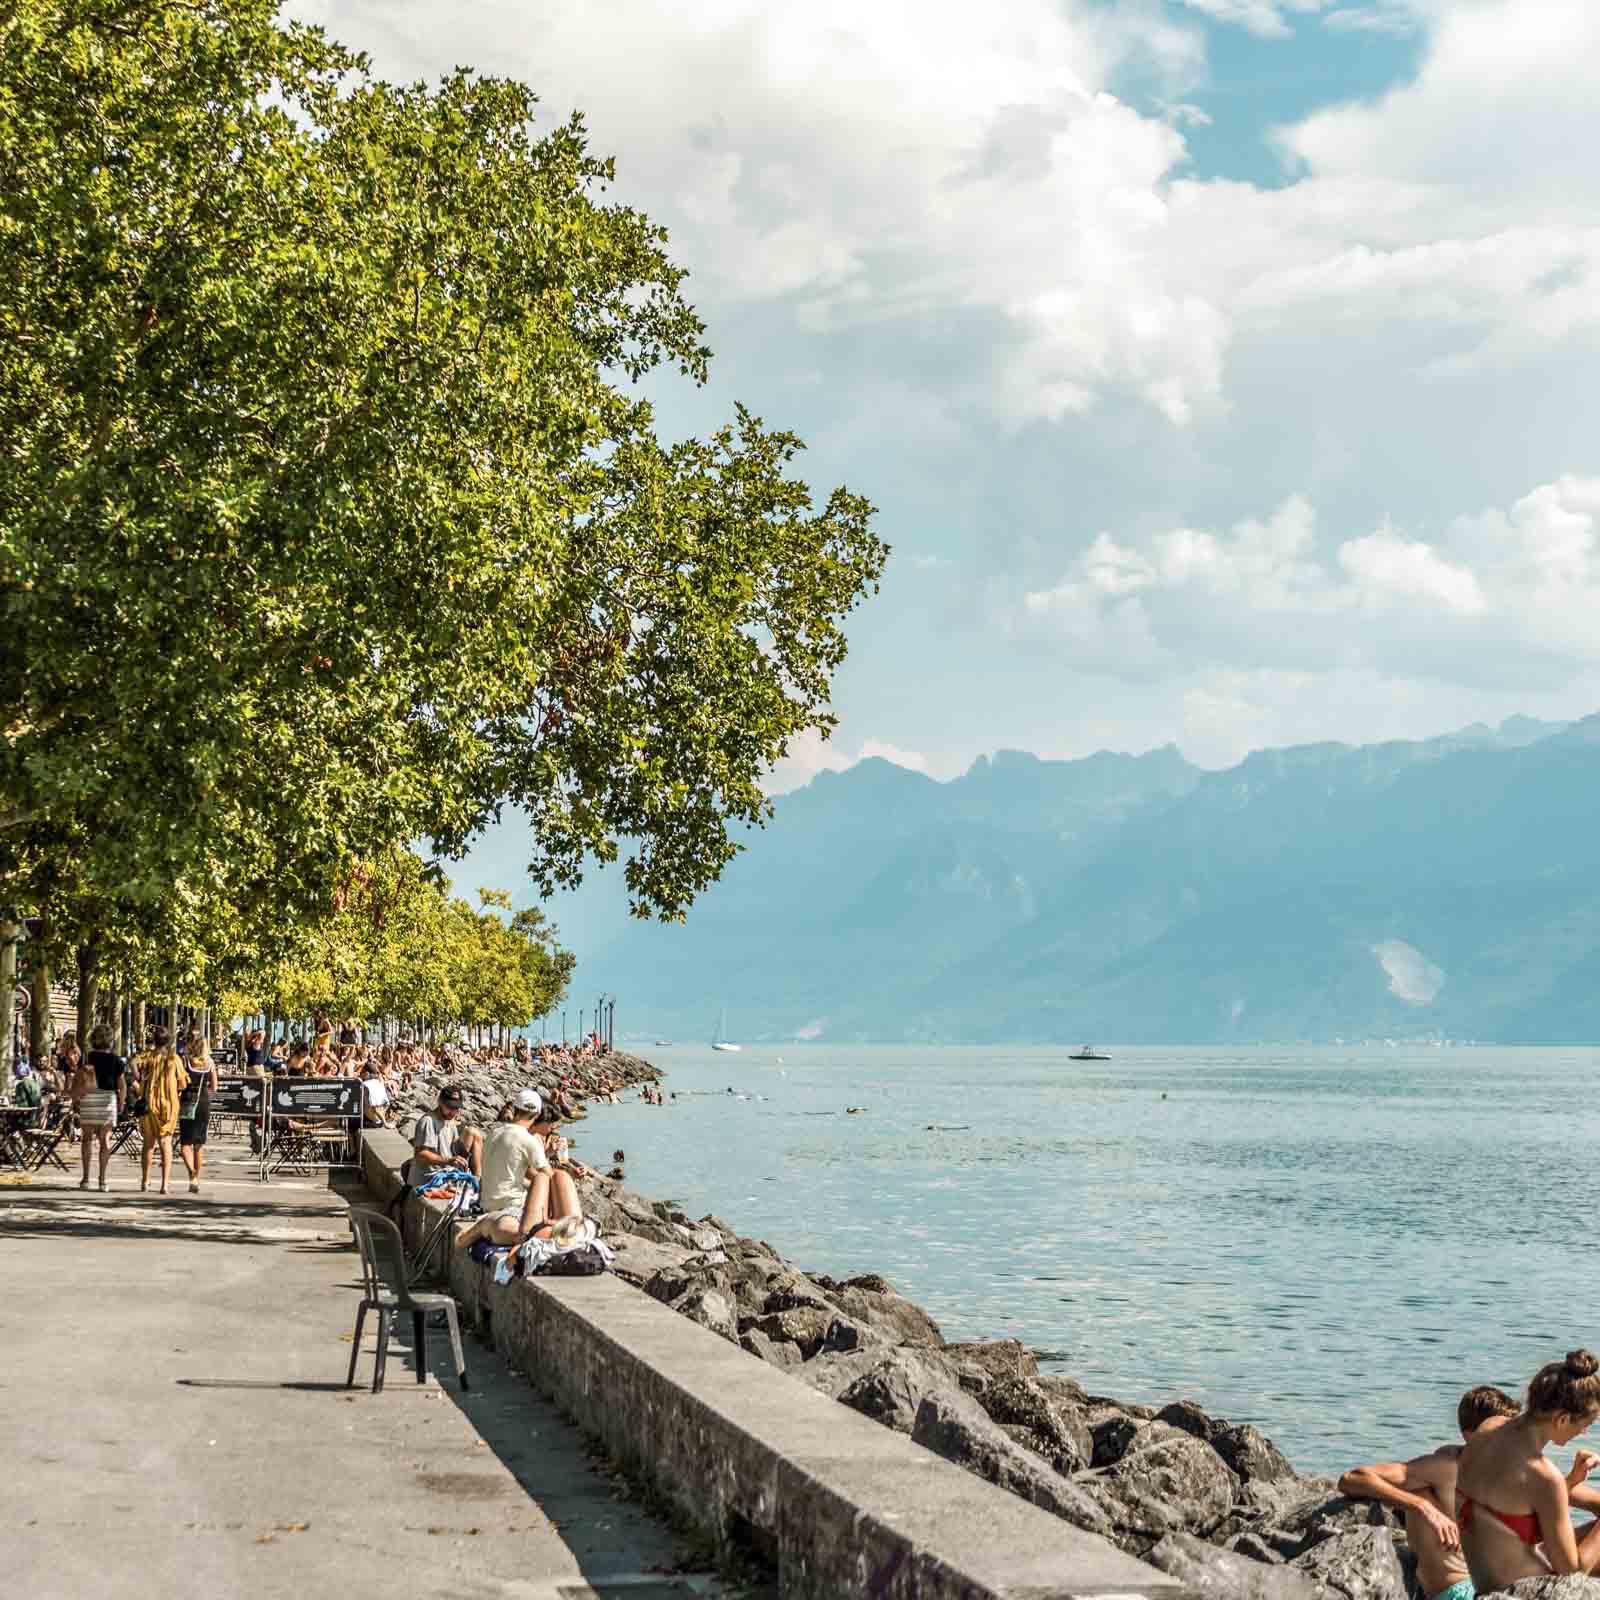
x: 330, y: 518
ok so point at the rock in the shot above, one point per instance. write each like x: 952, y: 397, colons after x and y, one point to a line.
x: 1280, y: 1503
x: 1320, y: 1516
x: 788, y: 1291
x: 833, y: 1371
x: 1360, y: 1565
x: 1207, y: 1571
x: 1185, y: 1414
x: 639, y: 1259
x: 1168, y: 1484
x: 1251, y: 1454
x: 955, y: 1426
x: 899, y: 1320
x: 869, y: 1281
x: 699, y: 1238
x: 775, y: 1352
x: 806, y: 1327
x: 1112, y: 1439
x: 711, y: 1309
x: 894, y: 1386
x: 1068, y: 1390
x: 844, y: 1335
x: 999, y: 1358
x: 1255, y: 1547
x: 1574, y: 1586
x: 1055, y: 1430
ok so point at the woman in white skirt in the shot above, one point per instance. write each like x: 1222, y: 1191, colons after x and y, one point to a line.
x: 97, y: 1090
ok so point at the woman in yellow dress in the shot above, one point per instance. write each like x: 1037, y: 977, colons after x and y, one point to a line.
x: 162, y: 1079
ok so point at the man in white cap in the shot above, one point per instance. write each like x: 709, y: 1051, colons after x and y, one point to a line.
x: 521, y: 1195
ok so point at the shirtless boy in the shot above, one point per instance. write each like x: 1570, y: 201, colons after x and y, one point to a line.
x: 1424, y: 1490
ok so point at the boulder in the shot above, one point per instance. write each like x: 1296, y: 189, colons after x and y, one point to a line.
x: 711, y: 1309
x: 1251, y: 1454
x: 788, y: 1291
x: 639, y: 1259
x: 1111, y: 1439
x: 1206, y: 1571
x: 897, y: 1319
x: 1167, y: 1484
x: 1068, y: 1390
x: 1319, y: 1516
x: 832, y: 1372
x: 1359, y: 1565
x: 807, y: 1327
x: 1055, y: 1429
x: 894, y: 1386
x: 952, y: 1424
x: 998, y: 1358
x: 1188, y: 1416
x: 1282, y: 1503
x: 775, y: 1352
x: 1255, y: 1547
x: 1575, y: 1586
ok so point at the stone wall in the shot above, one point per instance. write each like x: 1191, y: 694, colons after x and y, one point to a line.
x: 759, y: 1461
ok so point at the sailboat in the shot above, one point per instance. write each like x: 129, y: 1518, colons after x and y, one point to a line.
x: 719, y: 1042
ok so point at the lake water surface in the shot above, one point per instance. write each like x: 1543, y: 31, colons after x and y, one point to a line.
x: 1330, y: 1243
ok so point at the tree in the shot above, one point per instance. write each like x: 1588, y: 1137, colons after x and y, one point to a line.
x: 329, y: 518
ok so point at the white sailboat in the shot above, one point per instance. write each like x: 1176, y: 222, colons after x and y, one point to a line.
x: 719, y: 1042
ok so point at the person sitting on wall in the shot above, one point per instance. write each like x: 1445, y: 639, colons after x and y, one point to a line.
x: 375, y: 1098
x: 441, y: 1139
x: 522, y: 1196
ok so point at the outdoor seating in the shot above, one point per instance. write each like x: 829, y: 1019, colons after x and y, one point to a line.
x: 39, y: 1145
x: 383, y: 1271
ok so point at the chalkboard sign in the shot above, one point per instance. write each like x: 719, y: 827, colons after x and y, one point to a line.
x: 238, y: 1097
x: 313, y: 1097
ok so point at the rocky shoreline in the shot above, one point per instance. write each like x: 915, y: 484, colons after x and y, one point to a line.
x: 1213, y: 1503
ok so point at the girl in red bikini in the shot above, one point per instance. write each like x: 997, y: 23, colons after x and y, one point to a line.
x: 1514, y: 1509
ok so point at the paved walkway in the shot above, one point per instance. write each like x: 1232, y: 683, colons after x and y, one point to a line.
x: 173, y: 1418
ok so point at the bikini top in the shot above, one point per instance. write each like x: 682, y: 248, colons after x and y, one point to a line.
x: 1525, y: 1524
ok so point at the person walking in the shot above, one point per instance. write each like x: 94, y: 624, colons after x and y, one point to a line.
x: 194, y: 1110
x: 163, y: 1079
x: 98, y: 1087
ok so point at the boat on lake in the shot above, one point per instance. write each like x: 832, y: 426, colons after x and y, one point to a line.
x: 1088, y: 1053
x: 719, y: 1040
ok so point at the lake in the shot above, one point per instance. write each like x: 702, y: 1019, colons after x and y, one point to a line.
x: 1330, y: 1243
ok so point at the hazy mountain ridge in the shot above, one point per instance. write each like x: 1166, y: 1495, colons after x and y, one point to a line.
x: 1441, y: 888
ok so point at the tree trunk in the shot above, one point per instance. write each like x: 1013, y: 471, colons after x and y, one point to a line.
x: 136, y: 1030
x: 88, y: 990
x: 10, y: 932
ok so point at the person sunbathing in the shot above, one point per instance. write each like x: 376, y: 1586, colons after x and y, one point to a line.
x: 1424, y: 1491
x: 522, y: 1196
x: 1514, y: 1506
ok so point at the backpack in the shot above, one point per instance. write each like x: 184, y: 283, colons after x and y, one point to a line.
x: 583, y: 1261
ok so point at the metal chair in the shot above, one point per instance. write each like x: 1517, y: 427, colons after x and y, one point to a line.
x: 383, y: 1271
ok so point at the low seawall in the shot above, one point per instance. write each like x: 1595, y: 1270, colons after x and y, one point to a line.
x: 839, y: 1505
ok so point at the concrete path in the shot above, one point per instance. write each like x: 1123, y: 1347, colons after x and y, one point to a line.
x: 173, y: 1419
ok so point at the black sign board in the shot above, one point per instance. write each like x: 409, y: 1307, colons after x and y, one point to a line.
x: 312, y: 1097
x: 238, y: 1097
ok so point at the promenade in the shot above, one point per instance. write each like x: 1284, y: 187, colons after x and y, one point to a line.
x: 173, y: 1418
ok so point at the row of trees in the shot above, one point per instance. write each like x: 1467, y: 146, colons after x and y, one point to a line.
x: 333, y: 518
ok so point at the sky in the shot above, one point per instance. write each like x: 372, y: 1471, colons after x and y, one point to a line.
x: 1222, y: 369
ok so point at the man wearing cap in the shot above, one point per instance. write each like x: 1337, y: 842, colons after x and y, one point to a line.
x: 440, y: 1140
x: 521, y: 1194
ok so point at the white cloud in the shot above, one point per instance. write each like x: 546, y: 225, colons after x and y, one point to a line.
x: 811, y: 754
x: 1412, y: 976
x: 1498, y: 599
x: 1397, y: 21
x: 1269, y: 18
x: 898, y: 163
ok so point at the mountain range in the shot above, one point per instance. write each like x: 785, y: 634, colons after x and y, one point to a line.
x: 1443, y: 888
